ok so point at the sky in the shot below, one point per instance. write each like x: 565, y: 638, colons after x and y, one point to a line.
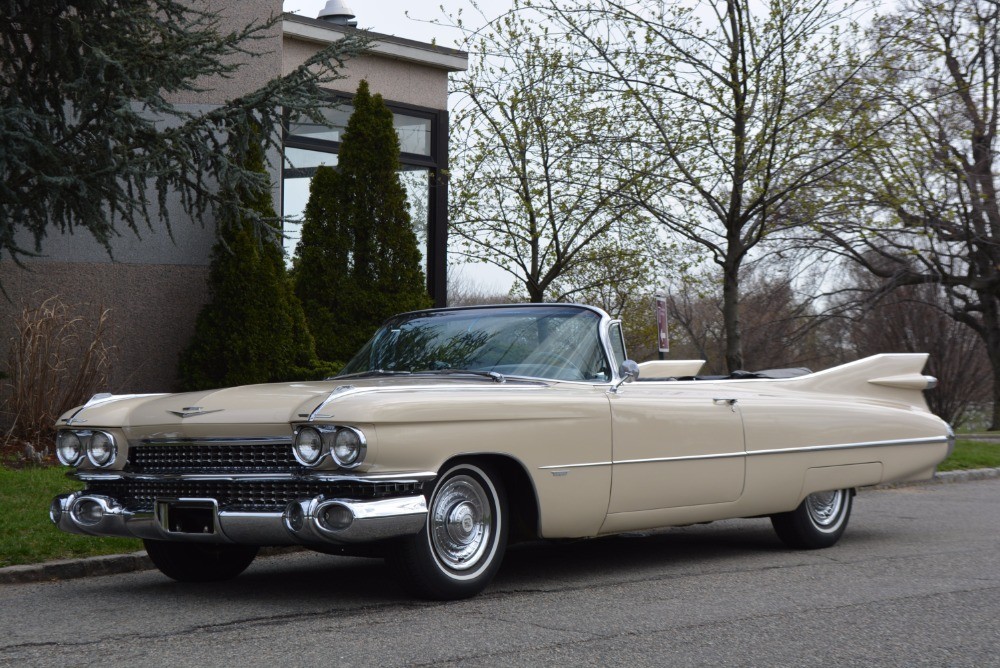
x: 389, y: 17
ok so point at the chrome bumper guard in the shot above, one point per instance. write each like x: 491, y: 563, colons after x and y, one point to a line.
x: 317, y: 521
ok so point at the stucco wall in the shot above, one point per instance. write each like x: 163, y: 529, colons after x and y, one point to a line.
x: 153, y: 309
x: 396, y: 80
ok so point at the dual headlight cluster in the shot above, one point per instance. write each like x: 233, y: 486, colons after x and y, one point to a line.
x: 345, y: 445
x: 97, y: 447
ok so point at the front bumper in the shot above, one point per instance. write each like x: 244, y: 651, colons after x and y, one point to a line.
x: 316, y: 521
x: 300, y: 523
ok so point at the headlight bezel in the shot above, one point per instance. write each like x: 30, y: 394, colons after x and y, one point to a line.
x: 320, y: 447
x: 64, y: 435
x: 111, y: 451
x: 85, y: 450
x: 328, y: 436
x: 359, y: 446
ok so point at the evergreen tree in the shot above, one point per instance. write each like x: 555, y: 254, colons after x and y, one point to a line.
x: 357, y: 261
x: 91, y: 135
x: 253, y: 330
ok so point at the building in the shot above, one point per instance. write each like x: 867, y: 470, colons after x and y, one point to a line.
x: 154, y: 286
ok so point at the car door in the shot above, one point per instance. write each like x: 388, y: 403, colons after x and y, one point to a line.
x: 675, y: 444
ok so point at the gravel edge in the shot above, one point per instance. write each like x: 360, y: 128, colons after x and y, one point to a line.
x: 113, y: 564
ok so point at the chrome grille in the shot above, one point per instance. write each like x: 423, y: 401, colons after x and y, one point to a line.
x: 247, y: 456
x: 247, y: 496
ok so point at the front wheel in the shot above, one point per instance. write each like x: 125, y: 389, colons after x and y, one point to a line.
x: 819, y: 521
x: 462, y: 543
x: 199, y: 562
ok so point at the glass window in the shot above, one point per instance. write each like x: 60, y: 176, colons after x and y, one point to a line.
x: 300, y: 165
x: 414, y: 132
x: 332, y: 130
x: 617, y: 342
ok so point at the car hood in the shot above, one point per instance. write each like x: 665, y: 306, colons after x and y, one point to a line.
x: 273, y: 403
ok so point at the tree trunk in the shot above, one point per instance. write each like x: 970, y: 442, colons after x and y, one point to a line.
x: 731, y: 316
x: 991, y: 336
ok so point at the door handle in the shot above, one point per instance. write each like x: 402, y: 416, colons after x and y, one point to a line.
x: 729, y: 402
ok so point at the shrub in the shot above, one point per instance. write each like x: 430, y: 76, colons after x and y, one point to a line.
x: 253, y: 329
x: 358, y: 262
x: 58, y: 359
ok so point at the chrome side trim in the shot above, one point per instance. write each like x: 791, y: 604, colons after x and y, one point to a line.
x: 576, y: 466
x: 752, y: 453
x: 849, y: 446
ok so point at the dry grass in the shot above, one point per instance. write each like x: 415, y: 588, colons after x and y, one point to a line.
x: 57, y: 360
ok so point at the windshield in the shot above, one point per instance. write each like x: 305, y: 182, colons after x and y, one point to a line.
x: 556, y: 342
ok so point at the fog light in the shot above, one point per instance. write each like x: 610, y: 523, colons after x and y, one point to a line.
x: 294, y: 517
x: 335, y: 517
x: 87, y: 511
x: 56, y: 510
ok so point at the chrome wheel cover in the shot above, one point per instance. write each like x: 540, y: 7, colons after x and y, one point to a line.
x: 460, y: 523
x: 825, y: 510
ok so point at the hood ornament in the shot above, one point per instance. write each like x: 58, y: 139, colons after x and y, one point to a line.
x: 191, y: 411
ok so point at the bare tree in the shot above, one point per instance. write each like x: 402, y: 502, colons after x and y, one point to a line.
x: 915, y: 318
x: 920, y: 205
x: 741, y: 107
x: 781, y: 327
x: 534, y: 190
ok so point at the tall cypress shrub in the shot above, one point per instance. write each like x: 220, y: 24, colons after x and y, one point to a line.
x: 253, y: 329
x: 358, y: 262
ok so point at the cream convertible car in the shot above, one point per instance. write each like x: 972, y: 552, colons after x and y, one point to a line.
x: 456, y: 431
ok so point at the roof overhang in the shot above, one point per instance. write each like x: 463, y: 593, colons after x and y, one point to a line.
x: 386, y: 46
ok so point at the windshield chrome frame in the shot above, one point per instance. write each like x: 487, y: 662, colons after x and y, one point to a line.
x: 603, y: 335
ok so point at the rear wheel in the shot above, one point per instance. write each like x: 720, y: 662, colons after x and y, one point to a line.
x: 819, y: 521
x: 462, y: 543
x: 199, y: 562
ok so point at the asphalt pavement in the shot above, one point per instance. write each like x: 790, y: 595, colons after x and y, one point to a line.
x: 915, y: 581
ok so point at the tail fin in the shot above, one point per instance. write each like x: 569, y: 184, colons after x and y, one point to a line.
x: 894, y: 377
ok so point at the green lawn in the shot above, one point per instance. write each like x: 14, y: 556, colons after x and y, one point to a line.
x: 972, y: 455
x: 27, y: 536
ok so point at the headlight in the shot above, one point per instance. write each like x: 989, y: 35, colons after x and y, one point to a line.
x: 348, y: 447
x: 308, y: 446
x: 69, y: 449
x: 101, y: 449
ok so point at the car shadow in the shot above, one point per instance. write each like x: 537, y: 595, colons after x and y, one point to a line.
x: 539, y: 565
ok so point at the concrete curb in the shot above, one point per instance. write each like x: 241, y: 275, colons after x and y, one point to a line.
x: 68, y: 569
x: 113, y: 564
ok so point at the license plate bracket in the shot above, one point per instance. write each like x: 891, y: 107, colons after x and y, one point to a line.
x: 187, y: 516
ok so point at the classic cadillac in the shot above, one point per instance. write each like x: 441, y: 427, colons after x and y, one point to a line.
x: 454, y: 432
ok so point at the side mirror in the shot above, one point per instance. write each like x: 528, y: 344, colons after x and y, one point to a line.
x: 627, y: 372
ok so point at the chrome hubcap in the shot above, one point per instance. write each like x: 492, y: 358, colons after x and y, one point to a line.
x: 460, y: 523
x: 824, y: 508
